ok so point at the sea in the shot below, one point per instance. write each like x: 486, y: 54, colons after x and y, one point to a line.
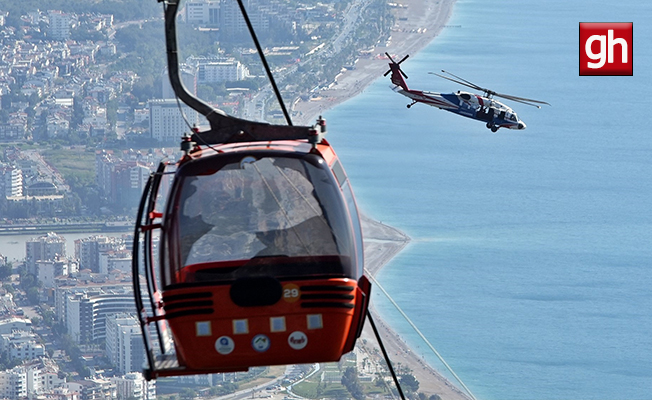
x: 530, y: 265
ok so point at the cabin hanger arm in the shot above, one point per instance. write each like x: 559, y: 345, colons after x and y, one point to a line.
x: 223, y: 127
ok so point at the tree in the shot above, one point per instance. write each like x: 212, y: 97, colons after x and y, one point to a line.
x: 187, y: 393
x: 409, y: 383
x: 351, y: 382
x: 33, y: 295
x: 5, y: 271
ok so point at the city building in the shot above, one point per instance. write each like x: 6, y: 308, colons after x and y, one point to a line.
x: 233, y: 25
x: 44, y: 248
x: 83, y: 309
x: 11, y: 181
x: 121, y: 178
x: 47, y: 271
x: 7, y: 325
x: 93, y: 389
x: 124, y: 343
x: 221, y: 71
x: 21, y: 345
x: 35, y: 379
x: 59, y: 27
x: 89, y: 250
x: 188, y: 78
x: 166, y: 121
x: 134, y: 386
x: 202, y: 12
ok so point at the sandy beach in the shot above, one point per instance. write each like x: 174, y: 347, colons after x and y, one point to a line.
x: 418, y: 22
x: 382, y: 243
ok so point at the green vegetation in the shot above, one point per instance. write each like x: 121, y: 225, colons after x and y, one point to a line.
x: 351, y: 382
x: 76, y: 166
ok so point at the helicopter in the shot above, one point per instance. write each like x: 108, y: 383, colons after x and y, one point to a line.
x: 483, y: 108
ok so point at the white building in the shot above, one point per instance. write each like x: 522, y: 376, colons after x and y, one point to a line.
x: 21, y: 345
x: 134, y: 385
x: 124, y: 343
x: 221, y: 71
x: 44, y: 248
x: 13, y: 383
x: 202, y: 12
x: 37, y: 378
x: 112, y: 260
x: 59, y: 25
x: 47, y: 271
x: 166, y: 123
x: 85, y: 313
x: 88, y: 250
x: 11, y: 181
x: 14, y: 323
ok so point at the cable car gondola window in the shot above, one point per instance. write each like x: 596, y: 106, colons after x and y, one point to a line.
x: 253, y: 215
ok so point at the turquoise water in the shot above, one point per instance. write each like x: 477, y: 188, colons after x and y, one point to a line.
x: 530, y: 265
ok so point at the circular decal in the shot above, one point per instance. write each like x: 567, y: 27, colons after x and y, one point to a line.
x: 224, y: 345
x: 260, y: 343
x: 297, y: 340
x: 291, y: 292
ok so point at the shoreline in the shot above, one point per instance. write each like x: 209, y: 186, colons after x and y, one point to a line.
x: 418, y: 23
x: 381, y: 244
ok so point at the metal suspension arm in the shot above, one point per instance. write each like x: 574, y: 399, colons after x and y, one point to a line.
x: 223, y: 128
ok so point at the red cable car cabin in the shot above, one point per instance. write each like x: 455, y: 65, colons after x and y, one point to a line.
x: 261, y: 259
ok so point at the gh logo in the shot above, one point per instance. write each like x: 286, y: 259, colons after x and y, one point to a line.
x: 606, y: 48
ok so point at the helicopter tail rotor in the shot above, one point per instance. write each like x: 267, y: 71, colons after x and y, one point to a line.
x: 398, y: 76
x: 396, y: 64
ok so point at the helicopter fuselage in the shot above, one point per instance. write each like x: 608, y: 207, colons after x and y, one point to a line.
x: 494, y: 113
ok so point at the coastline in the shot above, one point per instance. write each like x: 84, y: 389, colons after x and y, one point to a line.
x: 418, y: 22
x: 381, y: 244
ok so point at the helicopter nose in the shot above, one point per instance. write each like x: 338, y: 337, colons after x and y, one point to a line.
x: 521, y: 125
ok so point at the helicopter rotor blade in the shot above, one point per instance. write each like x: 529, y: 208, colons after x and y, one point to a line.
x: 488, y: 92
x: 469, y: 83
x: 393, y: 62
x: 399, y: 63
x: 472, y: 86
x: 523, y: 100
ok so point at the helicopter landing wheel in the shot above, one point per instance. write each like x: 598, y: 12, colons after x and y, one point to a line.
x: 489, y: 125
x: 494, y: 129
x: 409, y: 105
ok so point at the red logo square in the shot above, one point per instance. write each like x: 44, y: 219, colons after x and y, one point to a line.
x: 606, y: 48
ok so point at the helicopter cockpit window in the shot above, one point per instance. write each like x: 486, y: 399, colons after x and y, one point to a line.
x: 270, y: 215
x: 512, y: 117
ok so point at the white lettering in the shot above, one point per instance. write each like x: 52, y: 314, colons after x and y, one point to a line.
x: 589, y: 52
x: 611, y: 43
x: 607, y: 44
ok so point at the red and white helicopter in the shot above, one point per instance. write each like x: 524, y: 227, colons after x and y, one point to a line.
x: 485, y: 108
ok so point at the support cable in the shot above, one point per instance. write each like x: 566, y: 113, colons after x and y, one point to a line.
x: 264, y: 60
x: 387, y: 360
x: 432, y: 348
